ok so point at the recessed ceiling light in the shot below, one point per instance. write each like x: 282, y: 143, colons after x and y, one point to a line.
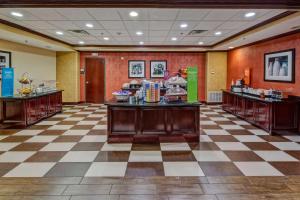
x: 16, y: 14
x: 250, y: 14
x: 141, y: 43
x: 59, y: 33
x: 81, y: 42
x: 183, y: 25
x: 133, y: 14
x: 218, y: 33
x: 230, y: 47
x: 106, y: 38
x: 89, y: 25
x: 174, y: 38
x: 200, y: 43
x: 139, y: 33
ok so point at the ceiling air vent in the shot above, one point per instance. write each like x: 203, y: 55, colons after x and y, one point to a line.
x: 196, y: 32
x: 79, y: 32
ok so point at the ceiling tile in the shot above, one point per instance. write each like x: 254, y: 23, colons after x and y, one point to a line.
x: 208, y: 25
x: 39, y: 24
x: 117, y: 25
x: 160, y: 25
x: 128, y: 39
x: 64, y: 25
x: 74, y: 13
x: 192, y: 14
x: 118, y: 33
x: 162, y: 14
x: 137, y: 25
x: 158, y: 33
x: 82, y: 24
x: 45, y: 13
x: 191, y: 25
x: 232, y: 24
x: 190, y: 39
x: 26, y: 15
x: 104, y: 13
x: 220, y: 14
x: 240, y: 15
x: 156, y: 39
x: 99, y: 32
x: 142, y: 13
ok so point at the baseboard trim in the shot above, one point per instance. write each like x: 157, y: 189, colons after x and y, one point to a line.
x: 72, y: 103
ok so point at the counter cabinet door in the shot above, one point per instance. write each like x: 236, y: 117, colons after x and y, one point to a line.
x: 249, y: 110
x: 154, y: 120
x: 123, y: 120
x: 32, y: 111
x: 262, y: 115
x: 285, y: 115
x: 240, y: 106
x: 52, y: 104
x: 227, y: 102
x: 184, y: 119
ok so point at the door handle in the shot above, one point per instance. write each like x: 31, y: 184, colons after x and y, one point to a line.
x: 87, y: 82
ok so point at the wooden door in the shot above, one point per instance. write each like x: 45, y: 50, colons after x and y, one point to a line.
x: 94, y: 80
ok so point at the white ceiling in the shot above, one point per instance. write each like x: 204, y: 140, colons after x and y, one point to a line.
x: 158, y: 25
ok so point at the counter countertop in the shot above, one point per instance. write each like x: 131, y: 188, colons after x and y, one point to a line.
x: 268, y: 100
x: 144, y: 104
x: 19, y: 97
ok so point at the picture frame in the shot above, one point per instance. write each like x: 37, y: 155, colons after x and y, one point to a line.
x: 136, y: 69
x: 279, y: 66
x: 5, y: 60
x: 157, y: 68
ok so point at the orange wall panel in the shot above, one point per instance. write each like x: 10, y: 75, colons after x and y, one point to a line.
x: 116, y: 71
x: 252, y: 57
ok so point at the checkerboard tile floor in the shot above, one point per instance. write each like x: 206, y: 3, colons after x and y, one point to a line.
x: 73, y: 143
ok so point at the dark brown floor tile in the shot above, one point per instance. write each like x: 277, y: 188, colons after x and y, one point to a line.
x: 223, y: 188
x: 39, y: 127
x: 212, y: 115
x: 112, y: 156
x: 210, y: 126
x: 102, y: 122
x: 239, y: 132
x: 223, y: 138
x: 180, y: 189
x: 40, y: 180
x: 268, y: 188
x: 192, y: 197
x: 295, y: 154
x: 68, y: 169
x: 270, y: 138
x: 52, y: 132
x: 135, y: 169
x: 228, y: 179
x: 88, y: 146
x: 248, y: 126
x: 146, y: 147
x: 87, y: 189
x: 193, y: 180
x: 101, y: 180
x: 260, y: 146
x: 287, y: 168
x: 264, y: 180
x: 243, y: 156
x: 6, y: 167
x: 97, y: 132
x: 67, y: 123
x: 225, y: 123
x: 9, y: 131
x: 204, y: 119
x: 32, y: 189
x: 204, y: 146
x: 68, y: 138
x: 152, y: 180
x: 46, y: 156
x: 29, y: 146
x: 178, y: 156
x: 134, y: 189
x: 220, y: 169
x: 16, y: 139
x: 82, y: 127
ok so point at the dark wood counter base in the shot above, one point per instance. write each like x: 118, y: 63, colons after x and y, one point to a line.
x: 274, y: 116
x: 151, y: 124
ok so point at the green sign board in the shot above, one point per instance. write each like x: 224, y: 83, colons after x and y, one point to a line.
x: 192, y: 84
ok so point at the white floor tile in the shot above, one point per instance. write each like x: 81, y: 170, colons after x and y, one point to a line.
x: 58, y: 146
x: 205, y: 138
x: 258, y: 132
x: 202, y: 122
x: 61, y: 116
x: 210, y: 156
x: 219, y: 119
x: 60, y: 127
x: 76, y: 132
x: 29, y: 132
x: 257, y: 169
x: 79, y: 156
x: 30, y: 169
x: 209, y: 113
x: 73, y: 110
x: 95, y: 116
x: 100, y: 127
x: 116, y: 147
x: 6, y: 146
x: 175, y: 147
x: 215, y: 132
x: 248, y: 138
x: 107, y: 169
x: 231, y: 127
x: 42, y: 138
x: 145, y: 156
x: 74, y: 119
x: 232, y: 146
x: 87, y: 123
x: 275, y: 156
x: 47, y: 123
x: 15, y: 156
x: 286, y: 145
x: 294, y: 138
x: 182, y: 169
x: 84, y: 113
x: 94, y: 138
x: 228, y: 115
x: 241, y: 122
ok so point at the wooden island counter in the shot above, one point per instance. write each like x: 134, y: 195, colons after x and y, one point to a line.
x: 153, y: 122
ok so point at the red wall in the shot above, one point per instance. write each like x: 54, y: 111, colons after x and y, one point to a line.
x: 253, y: 57
x: 117, y: 68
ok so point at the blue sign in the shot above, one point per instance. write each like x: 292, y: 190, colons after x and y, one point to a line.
x: 7, y: 82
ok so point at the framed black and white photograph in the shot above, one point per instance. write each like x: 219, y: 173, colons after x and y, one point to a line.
x: 158, y: 68
x: 280, y: 66
x: 136, y: 69
x: 5, y: 59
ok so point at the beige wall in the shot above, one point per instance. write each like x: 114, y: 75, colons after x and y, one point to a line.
x: 40, y: 63
x: 68, y: 72
x: 216, y: 71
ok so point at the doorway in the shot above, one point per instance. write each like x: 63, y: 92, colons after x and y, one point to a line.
x: 94, y: 80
